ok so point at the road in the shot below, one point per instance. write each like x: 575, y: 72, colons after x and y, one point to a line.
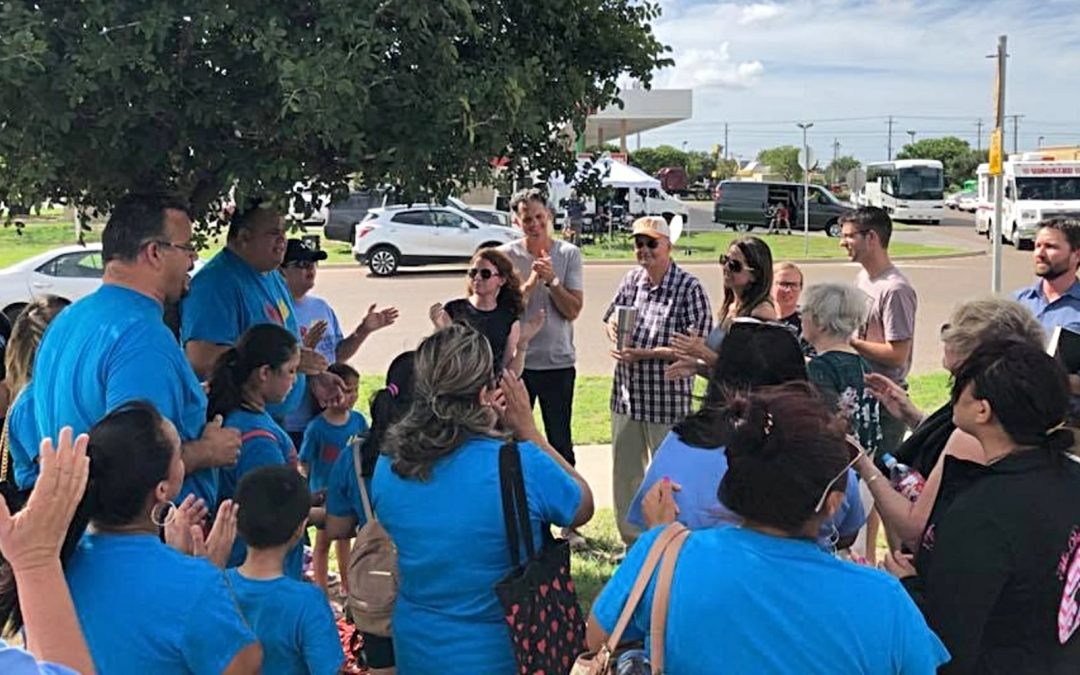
x: 941, y: 285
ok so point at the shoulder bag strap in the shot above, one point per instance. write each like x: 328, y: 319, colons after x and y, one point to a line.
x: 521, y: 501
x: 506, y: 490
x: 641, y: 582
x: 661, y: 598
x: 5, y: 438
x: 369, y: 513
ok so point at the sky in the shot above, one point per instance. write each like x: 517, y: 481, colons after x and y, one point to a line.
x: 846, y: 65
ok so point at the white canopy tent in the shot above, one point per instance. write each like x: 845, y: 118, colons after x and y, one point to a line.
x: 612, y: 172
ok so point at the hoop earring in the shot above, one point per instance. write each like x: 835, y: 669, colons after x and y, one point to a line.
x: 833, y: 539
x: 170, y: 514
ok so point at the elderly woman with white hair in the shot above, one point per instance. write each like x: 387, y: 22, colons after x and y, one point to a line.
x: 831, y: 315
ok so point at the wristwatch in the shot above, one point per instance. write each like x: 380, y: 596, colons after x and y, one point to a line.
x: 554, y: 283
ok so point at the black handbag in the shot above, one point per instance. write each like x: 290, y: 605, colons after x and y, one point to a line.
x: 9, y: 491
x: 540, y: 605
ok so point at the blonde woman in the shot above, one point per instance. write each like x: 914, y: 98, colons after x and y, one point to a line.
x: 436, y: 491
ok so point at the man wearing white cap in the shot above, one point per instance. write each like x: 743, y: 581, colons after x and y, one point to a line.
x: 664, y: 301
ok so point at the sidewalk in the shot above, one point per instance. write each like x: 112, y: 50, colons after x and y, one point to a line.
x: 594, y: 464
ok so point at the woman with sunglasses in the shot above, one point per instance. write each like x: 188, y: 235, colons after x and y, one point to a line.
x: 494, y: 306
x: 764, y: 597
x: 999, y: 563
x: 748, y: 278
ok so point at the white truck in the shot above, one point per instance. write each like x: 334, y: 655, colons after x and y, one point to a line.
x: 1035, y: 189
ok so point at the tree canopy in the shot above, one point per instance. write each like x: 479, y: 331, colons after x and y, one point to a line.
x: 958, y: 157
x: 783, y: 160
x: 105, y: 96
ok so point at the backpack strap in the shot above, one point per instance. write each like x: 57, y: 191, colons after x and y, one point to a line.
x: 661, y: 599
x: 652, y: 558
x: 259, y: 433
x: 514, y: 502
x: 369, y: 513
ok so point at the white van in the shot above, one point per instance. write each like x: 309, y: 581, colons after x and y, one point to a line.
x: 1035, y: 190
x: 655, y: 202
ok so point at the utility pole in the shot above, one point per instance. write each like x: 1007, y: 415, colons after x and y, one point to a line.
x: 835, y: 155
x: 996, y: 160
x: 1016, y: 136
x: 725, y: 141
x: 911, y: 133
x: 978, y: 136
x: 889, y: 154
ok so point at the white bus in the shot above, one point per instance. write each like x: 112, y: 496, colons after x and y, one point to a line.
x: 1035, y: 189
x: 908, y: 189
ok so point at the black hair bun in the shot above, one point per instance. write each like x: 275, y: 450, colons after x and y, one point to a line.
x: 751, y: 427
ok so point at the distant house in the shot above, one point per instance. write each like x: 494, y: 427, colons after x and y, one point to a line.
x: 756, y: 171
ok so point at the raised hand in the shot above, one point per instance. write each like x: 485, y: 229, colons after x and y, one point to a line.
x: 376, y: 320
x: 327, y: 388
x: 530, y: 328
x: 312, y: 362
x: 689, y: 345
x: 190, y: 513
x: 658, y: 506
x: 438, y: 316
x: 315, y: 333
x: 894, y: 398
x: 684, y: 367
x: 513, y: 406
x: 543, y: 269
x: 32, y: 538
x: 218, y: 545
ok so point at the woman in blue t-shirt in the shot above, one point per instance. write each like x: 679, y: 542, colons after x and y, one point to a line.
x: 437, y: 493
x: 259, y: 371
x: 692, y: 455
x: 763, y: 597
x: 144, y: 606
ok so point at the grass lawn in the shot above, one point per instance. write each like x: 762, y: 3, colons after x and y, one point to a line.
x: 708, y: 245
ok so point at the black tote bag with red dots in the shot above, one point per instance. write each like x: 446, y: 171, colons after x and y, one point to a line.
x: 539, y: 602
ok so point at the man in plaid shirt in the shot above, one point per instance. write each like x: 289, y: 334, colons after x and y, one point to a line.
x: 644, y: 404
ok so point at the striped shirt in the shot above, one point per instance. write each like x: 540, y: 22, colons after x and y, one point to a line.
x: 677, y: 304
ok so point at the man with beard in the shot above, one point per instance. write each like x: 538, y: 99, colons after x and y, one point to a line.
x: 113, y: 347
x: 1055, y: 298
x: 644, y: 403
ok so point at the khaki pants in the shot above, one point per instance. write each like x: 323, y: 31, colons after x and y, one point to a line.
x: 633, y: 443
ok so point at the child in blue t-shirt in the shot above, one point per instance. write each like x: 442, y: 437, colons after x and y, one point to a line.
x: 327, y: 436
x: 259, y: 371
x: 292, y: 619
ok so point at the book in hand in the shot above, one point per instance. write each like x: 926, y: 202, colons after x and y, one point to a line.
x: 1065, y: 347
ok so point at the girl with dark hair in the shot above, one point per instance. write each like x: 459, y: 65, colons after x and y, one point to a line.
x: 763, y: 597
x: 494, y: 306
x: 144, y: 606
x: 999, y: 562
x: 748, y: 280
x: 691, y: 461
x: 258, y: 372
x: 344, y: 508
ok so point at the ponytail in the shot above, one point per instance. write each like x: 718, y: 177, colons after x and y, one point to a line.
x: 265, y: 344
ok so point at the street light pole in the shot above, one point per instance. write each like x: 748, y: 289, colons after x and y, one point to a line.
x: 806, y: 187
x: 912, y: 134
x: 1040, y: 141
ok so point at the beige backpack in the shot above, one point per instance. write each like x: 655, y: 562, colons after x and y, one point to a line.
x: 373, y: 568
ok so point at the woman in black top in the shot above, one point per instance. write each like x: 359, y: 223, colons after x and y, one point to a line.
x: 493, y: 307
x: 999, y: 563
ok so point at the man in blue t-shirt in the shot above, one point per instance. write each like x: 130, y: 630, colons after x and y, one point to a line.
x: 241, y: 287
x: 113, y: 346
x: 319, y: 326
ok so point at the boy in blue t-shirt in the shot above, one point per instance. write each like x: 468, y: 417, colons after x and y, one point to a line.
x: 327, y: 436
x: 292, y: 619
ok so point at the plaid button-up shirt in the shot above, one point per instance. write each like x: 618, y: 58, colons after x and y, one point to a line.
x: 678, y: 304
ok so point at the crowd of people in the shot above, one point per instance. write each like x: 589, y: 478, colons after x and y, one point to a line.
x: 159, y: 485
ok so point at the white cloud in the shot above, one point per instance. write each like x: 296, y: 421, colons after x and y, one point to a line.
x: 705, y: 68
x: 758, y: 12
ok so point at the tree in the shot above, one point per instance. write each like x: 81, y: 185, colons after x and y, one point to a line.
x: 783, y: 160
x: 957, y: 156
x: 651, y: 160
x: 838, y: 168
x: 105, y: 96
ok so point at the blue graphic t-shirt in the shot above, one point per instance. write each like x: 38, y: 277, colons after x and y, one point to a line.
x: 324, y: 442
x: 310, y: 309
x: 293, y: 622
x: 110, y: 348
x: 227, y: 297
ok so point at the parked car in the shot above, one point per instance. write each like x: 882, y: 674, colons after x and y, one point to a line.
x: 69, y: 272
x: 422, y: 234
x: 343, y: 215
x: 742, y: 205
x: 952, y: 201
x: 968, y: 201
x: 489, y: 216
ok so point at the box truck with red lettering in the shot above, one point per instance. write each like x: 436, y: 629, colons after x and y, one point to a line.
x: 1035, y: 189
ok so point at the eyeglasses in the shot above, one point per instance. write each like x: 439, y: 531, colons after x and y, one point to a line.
x: 301, y: 264
x: 642, y: 242
x: 186, y: 248
x: 857, y: 450
x: 484, y: 274
x: 734, y: 266
x: 788, y: 285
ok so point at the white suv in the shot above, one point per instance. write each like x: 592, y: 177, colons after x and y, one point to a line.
x: 422, y: 234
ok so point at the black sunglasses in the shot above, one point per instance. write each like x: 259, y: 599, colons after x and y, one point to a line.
x: 641, y: 242
x: 732, y: 265
x: 484, y: 274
